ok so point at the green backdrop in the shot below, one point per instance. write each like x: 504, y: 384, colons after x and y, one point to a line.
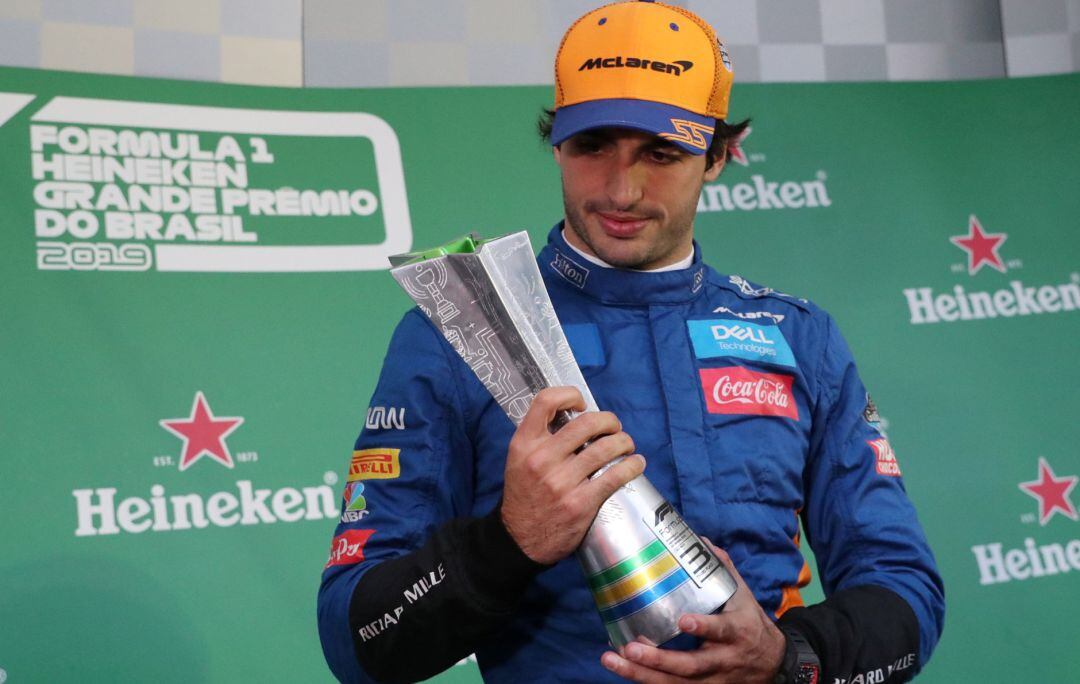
x: 195, y: 310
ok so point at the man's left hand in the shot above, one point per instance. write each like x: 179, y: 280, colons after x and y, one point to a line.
x: 741, y: 644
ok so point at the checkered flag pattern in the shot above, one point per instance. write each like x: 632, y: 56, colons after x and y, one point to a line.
x: 345, y: 43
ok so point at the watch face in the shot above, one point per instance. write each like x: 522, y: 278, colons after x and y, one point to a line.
x: 808, y: 674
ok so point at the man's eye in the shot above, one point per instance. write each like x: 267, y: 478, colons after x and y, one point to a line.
x: 663, y: 156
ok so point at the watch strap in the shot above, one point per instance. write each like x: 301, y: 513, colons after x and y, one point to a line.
x: 801, y: 664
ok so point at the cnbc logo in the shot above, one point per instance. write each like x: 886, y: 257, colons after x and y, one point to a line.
x: 140, y: 186
x: 761, y: 192
x: 985, y: 257
x: 205, y: 437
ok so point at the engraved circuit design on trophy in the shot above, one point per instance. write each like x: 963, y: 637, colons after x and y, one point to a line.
x: 643, y: 563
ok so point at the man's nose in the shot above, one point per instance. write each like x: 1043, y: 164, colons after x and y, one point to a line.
x: 625, y: 182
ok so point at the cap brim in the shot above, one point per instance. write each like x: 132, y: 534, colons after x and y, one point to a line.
x: 692, y: 132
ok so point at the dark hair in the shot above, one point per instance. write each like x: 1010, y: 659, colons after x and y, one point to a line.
x: 724, y: 135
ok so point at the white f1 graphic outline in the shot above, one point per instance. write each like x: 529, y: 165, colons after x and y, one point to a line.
x: 263, y: 258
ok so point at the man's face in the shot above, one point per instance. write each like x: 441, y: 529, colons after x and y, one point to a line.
x: 630, y: 196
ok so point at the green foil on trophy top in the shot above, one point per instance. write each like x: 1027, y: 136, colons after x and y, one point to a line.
x: 626, y: 566
x: 466, y: 244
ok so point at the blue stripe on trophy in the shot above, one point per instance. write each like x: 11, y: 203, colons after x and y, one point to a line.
x: 643, y: 600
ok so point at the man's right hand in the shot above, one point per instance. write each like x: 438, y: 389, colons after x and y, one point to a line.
x: 549, y: 502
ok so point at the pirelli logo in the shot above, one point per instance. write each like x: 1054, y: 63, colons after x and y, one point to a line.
x: 374, y: 464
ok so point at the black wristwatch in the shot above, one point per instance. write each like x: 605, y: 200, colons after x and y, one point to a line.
x: 801, y: 664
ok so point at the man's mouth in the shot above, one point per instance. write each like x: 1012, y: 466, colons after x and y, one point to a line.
x: 620, y: 225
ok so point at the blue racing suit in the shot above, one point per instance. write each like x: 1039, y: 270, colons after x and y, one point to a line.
x: 749, y: 410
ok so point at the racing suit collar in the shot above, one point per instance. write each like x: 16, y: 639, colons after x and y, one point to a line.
x: 559, y: 262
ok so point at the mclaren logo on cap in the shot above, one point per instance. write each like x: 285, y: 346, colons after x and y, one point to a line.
x: 688, y: 132
x: 675, y: 68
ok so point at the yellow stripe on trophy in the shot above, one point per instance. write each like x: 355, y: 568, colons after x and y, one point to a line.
x: 636, y: 582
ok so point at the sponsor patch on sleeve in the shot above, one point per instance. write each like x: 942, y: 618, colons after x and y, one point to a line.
x: 870, y: 413
x: 740, y: 339
x: 385, y: 418
x: 354, y: 505
x: 348, y: 547
x: 374, y: 464
x: 886, y: 457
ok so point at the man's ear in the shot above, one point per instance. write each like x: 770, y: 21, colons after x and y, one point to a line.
x: 713, y: 172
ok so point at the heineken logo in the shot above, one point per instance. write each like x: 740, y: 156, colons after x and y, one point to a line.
x: 1015, y: 299
x: 1007, y: 300
x: 101, y: 511
x: 203, y: 434
x: 998, y: 564
x: 759, y: 192
x: 981, y: 248
x: 107, y: 510
x: 1053, y: 493
x: 735, y: 148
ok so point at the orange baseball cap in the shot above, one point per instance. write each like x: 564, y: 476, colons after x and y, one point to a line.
x: 642, y: 65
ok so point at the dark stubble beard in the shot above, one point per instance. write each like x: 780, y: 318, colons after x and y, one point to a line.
x: 681, y: 224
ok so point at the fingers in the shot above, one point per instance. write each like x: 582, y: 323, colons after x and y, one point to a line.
x: 733, y: 650
x: 586, y: 427
x: 720, y: 553
x: 614, y: 477
x: 632, y: 671
x: 681, y: 663
x: 583, y: 428
x: 546, y: 404
x: 601, y: 452
x: 718, y: 628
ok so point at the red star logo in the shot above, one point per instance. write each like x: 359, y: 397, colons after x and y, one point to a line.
x: 735, y: 150
x: 1052, y: 493
x: 982, y: 248
x: 203, y: 433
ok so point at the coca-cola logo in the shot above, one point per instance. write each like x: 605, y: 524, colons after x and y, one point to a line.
x: 348, y: 547
x: 740, y: 390
x: 727, y: 391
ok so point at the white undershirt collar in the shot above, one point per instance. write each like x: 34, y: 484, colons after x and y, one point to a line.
x: 677, y: 266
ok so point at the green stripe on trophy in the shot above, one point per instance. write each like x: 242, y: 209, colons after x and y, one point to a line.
x: 626, y: 566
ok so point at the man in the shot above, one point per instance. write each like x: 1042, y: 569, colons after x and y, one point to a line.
x: 458, y: 531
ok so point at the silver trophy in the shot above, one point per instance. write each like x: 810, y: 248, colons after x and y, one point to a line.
x: 643, y: 563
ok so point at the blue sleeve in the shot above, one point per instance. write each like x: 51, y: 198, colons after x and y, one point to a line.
x: 859, y: 521
x: 409, y: 473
